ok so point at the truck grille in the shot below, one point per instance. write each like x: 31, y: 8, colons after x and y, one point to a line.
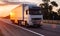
x: 36, y: 20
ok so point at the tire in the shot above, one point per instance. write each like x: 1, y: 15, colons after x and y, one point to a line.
x: 19, y: 23
x: 23, y: 23
x: 37, y: 25
x: 26, y: 24
x: 12, y: 21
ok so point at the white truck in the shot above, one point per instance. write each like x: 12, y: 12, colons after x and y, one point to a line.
x: 27, y: 15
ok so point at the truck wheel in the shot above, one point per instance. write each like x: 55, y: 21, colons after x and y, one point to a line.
x: 39, y: 26
x: 26, y: 24
x: 19, y: 22
x: 23, y: 23
x: 12, y: 21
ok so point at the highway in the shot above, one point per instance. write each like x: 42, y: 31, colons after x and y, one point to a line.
x: 47, y: 30
x: 9, y: 29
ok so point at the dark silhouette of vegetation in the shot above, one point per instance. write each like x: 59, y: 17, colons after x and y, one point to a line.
x: 54, y: 3
x: 47, y: 12
x: 59, y: 11
x: 59, y: 14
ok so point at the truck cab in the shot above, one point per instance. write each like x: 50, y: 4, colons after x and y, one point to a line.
x: 34, y: 16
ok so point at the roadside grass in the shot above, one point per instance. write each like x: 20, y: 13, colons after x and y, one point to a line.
x: 57, y: 22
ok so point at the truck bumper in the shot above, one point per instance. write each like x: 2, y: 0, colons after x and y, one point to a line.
x: 35, y: 24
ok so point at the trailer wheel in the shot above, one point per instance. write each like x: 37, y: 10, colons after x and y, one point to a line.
x: 24, y: 23
x: 20, y: 22
x: 13, y: 21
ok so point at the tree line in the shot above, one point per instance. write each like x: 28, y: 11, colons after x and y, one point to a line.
x: 47, y: 8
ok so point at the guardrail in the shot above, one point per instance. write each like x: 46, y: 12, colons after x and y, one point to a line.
x: 51, y: 21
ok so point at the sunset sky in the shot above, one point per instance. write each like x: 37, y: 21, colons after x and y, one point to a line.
x: 32, y: 1
x: 5, y: 9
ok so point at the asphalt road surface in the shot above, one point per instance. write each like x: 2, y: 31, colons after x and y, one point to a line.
x: 9, y: 29
x: 47, y: 30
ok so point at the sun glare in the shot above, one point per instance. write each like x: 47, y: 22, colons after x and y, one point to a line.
x: 5, y: 9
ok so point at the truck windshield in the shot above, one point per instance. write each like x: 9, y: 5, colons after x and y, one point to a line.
x: 34, y: 11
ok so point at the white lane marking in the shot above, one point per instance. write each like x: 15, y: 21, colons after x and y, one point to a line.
x: 32, y: 31
x: 25, y: 29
